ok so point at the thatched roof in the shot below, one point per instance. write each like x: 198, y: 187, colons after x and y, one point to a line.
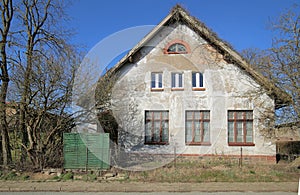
x: 180, y: 14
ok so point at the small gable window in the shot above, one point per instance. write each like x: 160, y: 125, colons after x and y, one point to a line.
x: 177, y: 47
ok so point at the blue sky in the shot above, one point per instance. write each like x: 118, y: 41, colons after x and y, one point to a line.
x: 242, y: 23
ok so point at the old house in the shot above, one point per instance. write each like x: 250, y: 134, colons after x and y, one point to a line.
x: 182, y: 88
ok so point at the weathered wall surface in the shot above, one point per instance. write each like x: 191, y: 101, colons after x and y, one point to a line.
x: 227, y: 87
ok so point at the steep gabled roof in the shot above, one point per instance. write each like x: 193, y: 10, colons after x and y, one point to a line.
x: 180, y: 14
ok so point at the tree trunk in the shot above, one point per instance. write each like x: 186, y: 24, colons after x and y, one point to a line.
x: 6, y: 153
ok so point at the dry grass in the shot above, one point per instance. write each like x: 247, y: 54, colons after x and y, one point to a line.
x: 218, y: 170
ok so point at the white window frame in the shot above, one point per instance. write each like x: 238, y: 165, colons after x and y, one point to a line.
x: 175, y: 81
x: 156, y: 76
x: 198, y: 81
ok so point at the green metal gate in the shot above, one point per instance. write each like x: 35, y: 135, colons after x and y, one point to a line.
x: 86, y: 150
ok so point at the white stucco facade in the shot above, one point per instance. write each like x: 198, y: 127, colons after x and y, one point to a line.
x: 226, y: 87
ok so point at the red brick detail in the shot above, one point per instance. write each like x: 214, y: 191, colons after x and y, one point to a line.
x: 257, y: 158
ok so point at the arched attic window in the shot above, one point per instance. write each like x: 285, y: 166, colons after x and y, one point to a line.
x: 177, y: 47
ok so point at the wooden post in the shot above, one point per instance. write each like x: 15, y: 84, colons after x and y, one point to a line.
x: 241, y: 158
x: 175, y: 156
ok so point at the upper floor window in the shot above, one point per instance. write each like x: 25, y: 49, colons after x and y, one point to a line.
x: 156, y: 81
x: 240, y: 128
x: 177, y: 47
x: 197, y: 81
x: 177, y: 81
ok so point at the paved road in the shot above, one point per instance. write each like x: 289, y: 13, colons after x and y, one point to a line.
x: 81, y: 186
x: 151, y: 193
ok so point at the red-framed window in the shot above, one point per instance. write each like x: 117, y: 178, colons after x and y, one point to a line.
x: 177, y: 47
x: 156, y: 127
x: 197, y: 127
x: 240, y: 128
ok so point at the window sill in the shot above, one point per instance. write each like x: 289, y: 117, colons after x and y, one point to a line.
x: 240, y: 144
x: 177, y: 89
x: 157, y: 89
x: 198, y: 144
x: 173, y: 52
x: 198, y: 89
x: 156, y: 143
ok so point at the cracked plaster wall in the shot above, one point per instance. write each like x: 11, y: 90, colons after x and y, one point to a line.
x: 227, y: 87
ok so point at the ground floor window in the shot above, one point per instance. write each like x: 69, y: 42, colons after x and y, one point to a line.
x: 197, y: 127
x: 156, y: 127
x: 240, y: 128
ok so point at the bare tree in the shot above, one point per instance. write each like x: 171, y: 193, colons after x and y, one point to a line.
x: 47, y: 115
x: 7, y: 11
x: 43, y: 74
x: 281, y: 63
x: 103, y: 95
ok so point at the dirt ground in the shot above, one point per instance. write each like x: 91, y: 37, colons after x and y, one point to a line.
x: 82, y: 186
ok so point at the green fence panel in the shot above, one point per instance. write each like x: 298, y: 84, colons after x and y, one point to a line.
x: 84, y: 150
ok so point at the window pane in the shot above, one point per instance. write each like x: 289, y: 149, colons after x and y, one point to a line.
x: 157, y: 131
x: 172, y: 48
x: 157, y: 115
x: 249, y: 115
x: 239, y: 131
x: 165, y: 131
x: 230, y: 132
x: 194, y: 79
x: 197, y: 137
x: 206, y: 132
x: 200, y: 80
x: 153, y: 80
x: 188, y: 132
x: 249, y: 138
x: 160, y: 80
x: 148, y: 115
x: 239, y: 138
x: 239, y: 115
x: 249, y: 127
x: 165, y: 115
x: 205, y: 115
x: 230, y: 115
x: 180, y: 47
x: 148, y: 132
x: 239, y: 126
x: 189, y: 115
x: 180, y: 80
x: 173, y: 80
x: 197, y: 115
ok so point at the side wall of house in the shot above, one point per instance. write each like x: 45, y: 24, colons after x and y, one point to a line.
x: 227, y: 87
